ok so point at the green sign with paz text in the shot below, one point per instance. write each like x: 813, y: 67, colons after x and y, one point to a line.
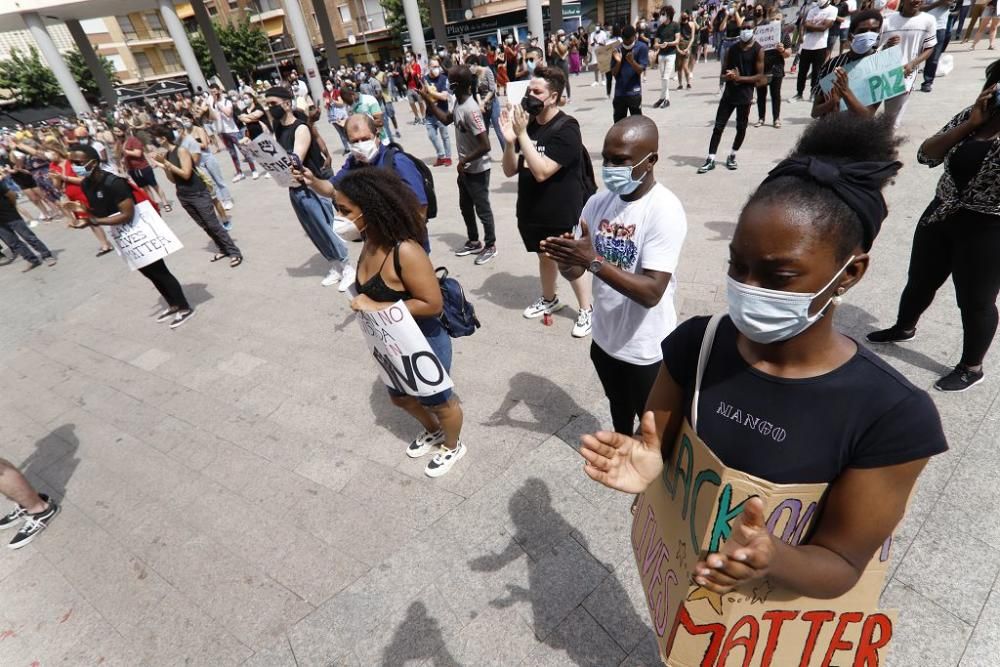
x: 873, y: 79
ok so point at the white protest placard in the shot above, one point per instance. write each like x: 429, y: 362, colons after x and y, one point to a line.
x: 873, y: 79
x: 516, y: 91
x: 268, y: 153
x: 768, y: 35
x: 145, y: 239
x: 405, y: 358
x: 604, y: 52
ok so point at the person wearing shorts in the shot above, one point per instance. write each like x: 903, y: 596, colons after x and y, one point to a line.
x: 140, y: 171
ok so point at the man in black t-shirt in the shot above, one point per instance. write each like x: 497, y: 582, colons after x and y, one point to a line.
x: 666, y: 45
x: 15, y: 233
x: 545, y: 149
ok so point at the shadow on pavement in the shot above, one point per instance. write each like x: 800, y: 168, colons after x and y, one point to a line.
x: 549, y: 405
x: 509, y: 291
x: 418, y: 638
x: 317, y: 266
x: 395, y: 420
x: 723, y: 229
x: 857, y: 322
x: 197, y: 293
x: 687, y: 160
x: 54, y: 460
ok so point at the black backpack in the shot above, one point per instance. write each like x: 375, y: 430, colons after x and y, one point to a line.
x: 425, y: 173
x: 587, y: 176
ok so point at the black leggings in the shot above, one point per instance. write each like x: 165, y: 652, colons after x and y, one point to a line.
x: 166, y: 284
x: 774, y: 85
x: 626, y: 385
x: 813, y: 59
x: 966, y: 246
x: 722, y: 118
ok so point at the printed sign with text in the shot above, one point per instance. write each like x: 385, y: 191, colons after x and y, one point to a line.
x: 873, y: 79
x: 145, y: 239
x: 265, y: 151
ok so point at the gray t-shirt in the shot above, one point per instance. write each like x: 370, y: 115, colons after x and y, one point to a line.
x: 469, y: 124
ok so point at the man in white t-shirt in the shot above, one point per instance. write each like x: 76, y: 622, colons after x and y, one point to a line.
x: 597, y: 38
x: 939, y: 9
x: 630, y: 239
x: 224, y: 117
x: 815, y: 34
x: 916, y: 33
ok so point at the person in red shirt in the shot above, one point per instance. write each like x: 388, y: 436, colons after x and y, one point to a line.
x: 140, y: 171
x: 62, y: 175
x: 414, y: 80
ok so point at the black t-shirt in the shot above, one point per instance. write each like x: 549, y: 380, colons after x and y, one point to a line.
x: 745, y: 63
x: 105, y: 194
x: 557, y: 201
x: 861, y: 415
x: 314, y: 159
x: 667, y: 32
x: 8, y: 212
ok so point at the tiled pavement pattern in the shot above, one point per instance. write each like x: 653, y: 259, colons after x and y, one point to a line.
x: 236, y: 490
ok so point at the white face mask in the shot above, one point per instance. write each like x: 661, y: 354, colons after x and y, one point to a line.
x: 863, y: 43
x: 746, y: 35
x: 346, y: 228
x: 365, y: 150
x: 770, y: 316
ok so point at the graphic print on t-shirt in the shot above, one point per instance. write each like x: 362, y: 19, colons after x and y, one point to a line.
x: 615, y: 242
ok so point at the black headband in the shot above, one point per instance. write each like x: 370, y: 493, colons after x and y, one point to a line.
x: 857, y: 184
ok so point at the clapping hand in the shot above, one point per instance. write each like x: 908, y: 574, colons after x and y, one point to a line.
x: 519, y: 121
x: 745, y: 556
x: 507, y: 125
x: 569, y: 251
x: 624, y: 462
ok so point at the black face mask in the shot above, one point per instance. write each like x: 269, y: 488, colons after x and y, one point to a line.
x: 532, y: 105
x: 277, y: 111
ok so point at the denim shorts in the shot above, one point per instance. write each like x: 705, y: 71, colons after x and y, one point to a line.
x: 440, y: 343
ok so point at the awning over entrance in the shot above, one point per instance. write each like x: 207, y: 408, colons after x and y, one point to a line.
x: 158, y: 89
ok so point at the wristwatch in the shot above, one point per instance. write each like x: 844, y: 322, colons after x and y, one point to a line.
x: 596, y: 265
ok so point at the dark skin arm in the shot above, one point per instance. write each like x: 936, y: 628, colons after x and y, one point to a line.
x: 126, y: 210
x: 575, y: 255
x: 482, y: 148
x: 824, y: 104
x: 937, y: 147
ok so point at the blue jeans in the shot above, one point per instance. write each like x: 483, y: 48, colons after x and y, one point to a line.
x: 315, y: 214
x: 440, y: 342
x: 12, y: 234
x: 437, y: 132
x: 495, y: 121
x: 930, y: 67
x: 211, y: 165
x: 955, y: 23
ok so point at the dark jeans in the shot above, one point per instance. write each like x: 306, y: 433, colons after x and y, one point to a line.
x: 626, y: 385
x: 607, y: 82
x: 165, y: 284
x: 955, y: 23
x: 624, y: 105
x: 473, y: 199
x: 199, y: 206
x: 774, y: 86
x: 811, y: 59
x: 722, y: 118
x: 12, y: 234
x: 930, y: 67
x: 965, y: 246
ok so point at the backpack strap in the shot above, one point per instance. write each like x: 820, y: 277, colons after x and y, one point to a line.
x: 703, y: 354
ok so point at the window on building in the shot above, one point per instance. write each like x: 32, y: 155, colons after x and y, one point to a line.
x: 144, y: 64
x: 234, y: 4
x: 345, y: 14
x: 154, y: 24
x: 125, y: 23
x: 212, y: 10
x: 169, y: 57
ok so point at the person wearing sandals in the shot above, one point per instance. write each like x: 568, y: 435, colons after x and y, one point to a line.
x: 394, y: 267
x: 112, y: 202
x: 192, y: 194
x: 959, y: 235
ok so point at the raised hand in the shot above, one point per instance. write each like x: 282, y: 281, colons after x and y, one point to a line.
x: 622, y: 462
x: 745, y: 556
x: 507, y: 125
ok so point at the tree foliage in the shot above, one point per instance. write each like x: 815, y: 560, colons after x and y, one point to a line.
x: 82, y: 74
x: 32, y: 81
x: 243, y: 44
x: 395, y: 17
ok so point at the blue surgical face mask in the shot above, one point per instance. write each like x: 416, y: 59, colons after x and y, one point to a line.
x: 770, y: 316
x: 619, y: 179
x: 81, y: 171
x: 863, y: 42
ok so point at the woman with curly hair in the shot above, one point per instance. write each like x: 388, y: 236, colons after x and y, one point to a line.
x: 393, y: 266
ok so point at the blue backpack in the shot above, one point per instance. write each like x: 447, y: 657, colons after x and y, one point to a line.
x: 458, y: 316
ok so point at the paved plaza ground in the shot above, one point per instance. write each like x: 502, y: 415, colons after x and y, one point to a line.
x: 235, y: 491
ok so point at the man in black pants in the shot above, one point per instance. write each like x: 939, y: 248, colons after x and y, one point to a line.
x: 628, y: 62
x: 743, y: 70
x: 812, y: 53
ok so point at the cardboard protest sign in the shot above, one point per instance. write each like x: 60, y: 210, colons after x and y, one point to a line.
x: 873, y: 79
x: 145, y: 239
x: 604, y: 55
x: 690, y: 512
x: 265, y: 151
x: 405, y: 359
x: 768, y: 35
x: 516, y: 91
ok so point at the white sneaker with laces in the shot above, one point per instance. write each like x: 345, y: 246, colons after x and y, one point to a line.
x: 267, y: 174
x: 332, y: 278
x: 347, y: 279
x: 583, y: 323
x: 238, y: 177
x: 444, y: 460
x: 541, y: 306
x: 424, y: 443
x: 255, y: 175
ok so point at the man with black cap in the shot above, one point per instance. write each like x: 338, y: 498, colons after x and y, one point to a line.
x: 315, y: 213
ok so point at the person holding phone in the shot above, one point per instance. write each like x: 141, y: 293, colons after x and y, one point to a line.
x: 958, y: 235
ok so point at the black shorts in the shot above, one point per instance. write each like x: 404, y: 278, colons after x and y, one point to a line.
x: 143, y: 177
x: 533, y: 235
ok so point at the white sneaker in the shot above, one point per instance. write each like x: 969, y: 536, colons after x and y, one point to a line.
x: 332, y: 278
x: 424, y: 443
x: 227, y: 205
x: 238, y: 177
x: 267, y: 174
x: 540, y: 307
x: 32, y: 223
x: 347, y: 279
x: 255, y: 175
x: 444, y: 460
x: 583, y: 323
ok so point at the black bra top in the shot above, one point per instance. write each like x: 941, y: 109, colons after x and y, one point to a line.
x: 376, y: 289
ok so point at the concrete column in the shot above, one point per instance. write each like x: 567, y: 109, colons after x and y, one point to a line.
x: 633, y: 12
x: 104, y: 84
x: 415, y: 27
x: 535, y: 21
x: 436, y: 12
x: 300, y: 34
x: 326, y: 30
x: 212, y: 42
x: 55, y: 61
x: 555, y: 15
x: 183, y: 46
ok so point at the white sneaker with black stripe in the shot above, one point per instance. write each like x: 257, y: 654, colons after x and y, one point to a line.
x: 444, y: 460
x: 33, y: 524
x: 424, y: 443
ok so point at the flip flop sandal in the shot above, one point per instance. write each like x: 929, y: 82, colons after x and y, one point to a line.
x: 235, y: 261
x: 105, y: 251
x: 218, y: 256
